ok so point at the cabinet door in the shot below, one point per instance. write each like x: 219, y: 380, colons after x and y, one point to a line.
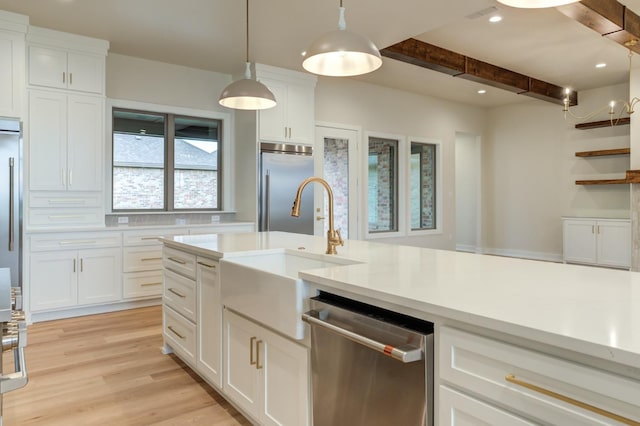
x: 614, y: 243
x: 53, y: 280
x: 209, y: 359
x: 300, y: 113
x: 286, y: 384
x: 99, y: 276
x: 11, y: 73
x: 241, y: 378
x: 272, y: 122
x: 47, y: 141
x: 86, y: 73
x: 47, y: 67
x: 85, y: 147
x: 579, y: 241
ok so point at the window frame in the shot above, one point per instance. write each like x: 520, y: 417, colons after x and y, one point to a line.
x: 225, y: 159
x: 438, y: 187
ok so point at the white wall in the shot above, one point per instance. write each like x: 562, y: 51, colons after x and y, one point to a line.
x: 389, y: 111
x: 468, y: 181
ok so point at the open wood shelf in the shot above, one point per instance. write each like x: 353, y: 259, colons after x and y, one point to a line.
x: 603, y: 152
x: 602, y: 182
x: 603, y: 123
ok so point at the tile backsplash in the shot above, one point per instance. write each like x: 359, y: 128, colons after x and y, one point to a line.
x: 138, y: 219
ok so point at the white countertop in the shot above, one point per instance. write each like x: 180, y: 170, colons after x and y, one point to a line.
x: 595, y: 311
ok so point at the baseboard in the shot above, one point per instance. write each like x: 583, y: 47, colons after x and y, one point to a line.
x: 466, y: 248
x: 523, y: 254
x: 91, y: 310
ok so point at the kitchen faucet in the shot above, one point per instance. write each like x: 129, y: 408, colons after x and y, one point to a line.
x: 333, y: 235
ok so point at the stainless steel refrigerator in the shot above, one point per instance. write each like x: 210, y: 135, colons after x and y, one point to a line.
x: 11, y: 199
x: 282, y: 168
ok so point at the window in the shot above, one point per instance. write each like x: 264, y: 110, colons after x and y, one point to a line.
x: 165, y: 162
x: 423, y: 186
x: 383, y: 185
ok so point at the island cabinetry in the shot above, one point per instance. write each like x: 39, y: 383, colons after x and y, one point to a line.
x: 602, y: 242
x: 532, y: 386
x: 209, y: 325
x: 266, y: 375
x: 292, y: 119
x: 74, y: 270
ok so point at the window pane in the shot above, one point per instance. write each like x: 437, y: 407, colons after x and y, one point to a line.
x: 423, y: 186
x: 383, y: 166
x: 196, y: 163
x: 138, y: 160
x: 336, y: 173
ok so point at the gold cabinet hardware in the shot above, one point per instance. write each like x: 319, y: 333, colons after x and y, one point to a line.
x: 511, y: 378
x: 180, y: 261
x: 70, y: 78
x: 171, y: 329
x: 177, y: 293
x: 251, y: 360
x: 149, y: 284
x: 152, y: 238
x: 258, y: 366
x: 64, y: 77
x: 149, y: 259
x: 319, y: 217
x: 74, y: 265
x: 81, y: 265
x: 206, y: 265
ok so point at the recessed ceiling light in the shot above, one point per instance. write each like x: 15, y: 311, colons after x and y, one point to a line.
x: 495, y: 18
x: 601, y: 65
x: 482, y: 91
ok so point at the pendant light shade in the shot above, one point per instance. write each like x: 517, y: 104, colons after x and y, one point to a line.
x: 247, y: 93
x: 536, y: 4
x: 341, y: 53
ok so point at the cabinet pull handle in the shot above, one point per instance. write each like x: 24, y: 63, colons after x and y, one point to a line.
x: 206, y: 265
x: 511, y: 378
x: 177, y: 293
x: 64, y: 77
x: 65, y: 216
x: 152, y: 238
x: 149, y: 284
x: 62, y: 177
x: 598, y: 229
x: 180, y: 261
x: 289, y: 132
x: 11, y: 202
x: 175, y: 332
x: 251, y: 360
x: 66, y: 201
x: 67, y: 242
x: 81, y: 265
x: 70, y: 78
x: 74, y: 265
x: 258, y: 366
x: 285, y: 132
x: 70, y: 177
x: 593, y: 229
x: 148, y: 259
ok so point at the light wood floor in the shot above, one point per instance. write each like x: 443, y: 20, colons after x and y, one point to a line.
x: 109, y: 370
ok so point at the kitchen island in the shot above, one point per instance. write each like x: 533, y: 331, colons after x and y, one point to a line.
x: 570, y: 329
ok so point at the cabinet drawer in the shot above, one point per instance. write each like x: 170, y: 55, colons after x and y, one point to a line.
x: 149, y: 237
x: 75, y: 240
x: 142, y: 284
x: 146, y: 258
x: 179, y: 261
x: 66, y: 217
x: 180, y: 293
x: 65, y: 200
x: 481, y: 366
x: 180, y: 334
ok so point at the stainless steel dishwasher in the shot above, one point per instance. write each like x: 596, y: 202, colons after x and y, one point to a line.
x: 370, y: 366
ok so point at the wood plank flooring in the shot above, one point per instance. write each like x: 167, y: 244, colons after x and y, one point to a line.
x: 108, y: 369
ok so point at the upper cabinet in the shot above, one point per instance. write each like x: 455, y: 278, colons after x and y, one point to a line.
x: 292, y: 119
x: 12, y: 45
x: 64, y: 61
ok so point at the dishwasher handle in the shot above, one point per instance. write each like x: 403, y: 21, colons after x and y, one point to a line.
x: 403, y: 354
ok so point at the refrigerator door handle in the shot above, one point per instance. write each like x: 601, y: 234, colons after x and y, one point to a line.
x: 11, y: 202
x: 267, y: 196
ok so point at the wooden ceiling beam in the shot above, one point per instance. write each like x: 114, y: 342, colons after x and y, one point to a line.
x: 436, y: 58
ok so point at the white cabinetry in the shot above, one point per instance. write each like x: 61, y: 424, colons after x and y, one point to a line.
x: 532, y: 386
x: 266, y: 375
x: 12, y: 52
x: 74, y: 270
x: 209, y: 324
x: 292, y: 119
x: 604, y: 242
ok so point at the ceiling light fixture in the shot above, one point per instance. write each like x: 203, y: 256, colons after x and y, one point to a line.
x: 341, y: 53
x: 247, y: 93
x: 495, y: 18
x: 482, y: 91
x: 627, y: 107
x: 536, y: 4
x: 601, y: 65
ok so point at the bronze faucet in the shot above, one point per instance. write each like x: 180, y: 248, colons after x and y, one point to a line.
x: 333, y: 235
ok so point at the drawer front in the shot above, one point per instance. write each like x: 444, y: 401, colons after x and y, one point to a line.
x: 139, y: 259
x: 504, y: 373
x: 142, y: 284
x: 74, y: 240
x: 66, y: 217
x: 179, y: 262
x: 65, y: 200
x: 458, y: 409
x: 149, y: 237
x: 180, y: 334
x: 180, y: 293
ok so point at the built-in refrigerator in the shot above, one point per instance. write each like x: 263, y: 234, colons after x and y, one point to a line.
x: 283, y: 167
x: 11, y: 199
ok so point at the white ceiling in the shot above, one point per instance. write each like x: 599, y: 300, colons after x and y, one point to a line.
x: 210, y: 34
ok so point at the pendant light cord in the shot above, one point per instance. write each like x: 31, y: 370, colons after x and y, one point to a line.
x: 248, y: 31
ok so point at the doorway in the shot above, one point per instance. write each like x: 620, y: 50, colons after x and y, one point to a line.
x: 468, y: 157
x: 336, y: 161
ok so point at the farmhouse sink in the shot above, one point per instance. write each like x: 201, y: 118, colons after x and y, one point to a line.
x: 265, y: 286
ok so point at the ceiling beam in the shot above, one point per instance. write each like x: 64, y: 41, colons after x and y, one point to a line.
x: 436, y: 58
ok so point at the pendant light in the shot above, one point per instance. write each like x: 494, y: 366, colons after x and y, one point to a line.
x: 536, y: 4
x: 341, y: 53
x: 247, y: 93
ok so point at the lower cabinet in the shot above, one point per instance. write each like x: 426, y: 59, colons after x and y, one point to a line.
x: 209, y: 324
x: 602, y: 242
x: 266, y: 374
